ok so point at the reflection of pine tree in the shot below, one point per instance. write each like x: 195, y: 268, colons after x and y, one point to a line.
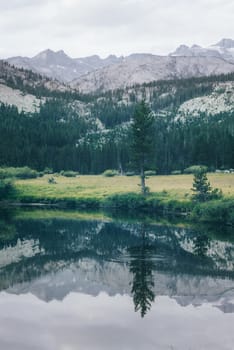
x: 201, y: 245
x: 142, y: 268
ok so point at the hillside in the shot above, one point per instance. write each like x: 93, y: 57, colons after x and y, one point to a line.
x: 28, y: 81
x: 26, y: 90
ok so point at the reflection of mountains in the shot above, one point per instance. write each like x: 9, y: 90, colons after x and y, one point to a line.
x: 53, y: 257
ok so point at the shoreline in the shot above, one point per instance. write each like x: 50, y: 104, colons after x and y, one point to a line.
x: 215, y: 211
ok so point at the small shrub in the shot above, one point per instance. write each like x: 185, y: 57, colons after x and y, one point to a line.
x: 110, y: 173
x: 69, y: 173
x: 48, y: 171
x: 20, y: 173
x: 219, y: 211
x: 195, y: 168
x: 125, y: 201
x: 216, y: 193
x: 51, y: 180
x: 6, y: 189
x: 150, y: 172
x: 130, y: 173
x: 176, y: 172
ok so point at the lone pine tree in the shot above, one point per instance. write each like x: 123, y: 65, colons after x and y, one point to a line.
x: 142, y: 139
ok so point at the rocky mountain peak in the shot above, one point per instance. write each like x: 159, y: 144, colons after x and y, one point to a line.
x: 226, y: 43
x: 49, y: 56
x: 181, y: 51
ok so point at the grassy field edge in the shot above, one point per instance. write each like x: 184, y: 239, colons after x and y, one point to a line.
x: 170, y: 195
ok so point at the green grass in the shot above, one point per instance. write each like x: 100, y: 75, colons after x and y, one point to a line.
x: 41, y: 214
x: 169, y: 195
x: 91, y: 186
x: 58, y: 214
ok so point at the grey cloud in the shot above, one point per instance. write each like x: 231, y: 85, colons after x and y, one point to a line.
x: 104, y: 13
x: 13, y: 5
x: 107, y: 26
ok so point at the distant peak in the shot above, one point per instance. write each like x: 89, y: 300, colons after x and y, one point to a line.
x: 61, y: 53
x: 50, y: 53
x: 181, y: 50
x: 183, y: 47
x: 226, y: 43
x: 111, y: 57
x: 94, y: 56
x: 44, y: 53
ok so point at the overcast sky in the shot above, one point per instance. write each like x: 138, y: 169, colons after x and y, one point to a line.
x: 103, y: 27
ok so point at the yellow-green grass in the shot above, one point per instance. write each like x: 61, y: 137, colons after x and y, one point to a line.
x: 42, y: 214
x: 51, y: 214
x: 98, y: 186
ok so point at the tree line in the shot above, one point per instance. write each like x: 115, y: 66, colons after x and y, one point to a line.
x: 59, y: 139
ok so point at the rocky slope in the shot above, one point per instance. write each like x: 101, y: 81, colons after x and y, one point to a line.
x: 139, y: 69
x: 220, y: 100
x: 24, y: 102
x: 58, y: 65
x: 25, y: 89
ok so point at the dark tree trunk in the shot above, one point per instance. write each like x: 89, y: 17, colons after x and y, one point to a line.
x: 142, y: 176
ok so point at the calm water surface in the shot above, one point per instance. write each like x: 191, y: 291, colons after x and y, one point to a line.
x: 77, y: 284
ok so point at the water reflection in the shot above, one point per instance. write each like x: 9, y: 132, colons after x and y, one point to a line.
x: 55, y: 256
x: 142, y: 266
x: 201, y: 244
x: 69, y: 283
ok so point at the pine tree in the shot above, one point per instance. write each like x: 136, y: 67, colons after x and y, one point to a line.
x: 202, y: 188
x: 142, y: 139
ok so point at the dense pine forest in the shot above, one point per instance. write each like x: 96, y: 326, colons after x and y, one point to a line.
x: 91, y: 133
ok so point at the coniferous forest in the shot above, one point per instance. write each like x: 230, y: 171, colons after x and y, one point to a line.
x: 60, y: 137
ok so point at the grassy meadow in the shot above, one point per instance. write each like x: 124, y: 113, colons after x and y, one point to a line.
x: 97, y: 186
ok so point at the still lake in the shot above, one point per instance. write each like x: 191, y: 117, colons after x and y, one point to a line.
x: 69, y: 283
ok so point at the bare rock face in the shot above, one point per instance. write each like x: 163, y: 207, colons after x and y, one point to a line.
x: 139, y: 69
x: 58, y: 65
x: 24, y: 102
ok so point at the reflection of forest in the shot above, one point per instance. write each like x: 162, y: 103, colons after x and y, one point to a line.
x: 142, y: 266
x: 33, y: 248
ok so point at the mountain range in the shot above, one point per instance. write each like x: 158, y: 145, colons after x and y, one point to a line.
x: 89, y: 132
x: 91, y: 74
x: 58, y: 65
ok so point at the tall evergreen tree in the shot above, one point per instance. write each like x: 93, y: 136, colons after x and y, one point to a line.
x: 142, y: 139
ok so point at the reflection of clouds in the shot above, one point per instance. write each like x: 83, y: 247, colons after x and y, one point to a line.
x: 104, y: 322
